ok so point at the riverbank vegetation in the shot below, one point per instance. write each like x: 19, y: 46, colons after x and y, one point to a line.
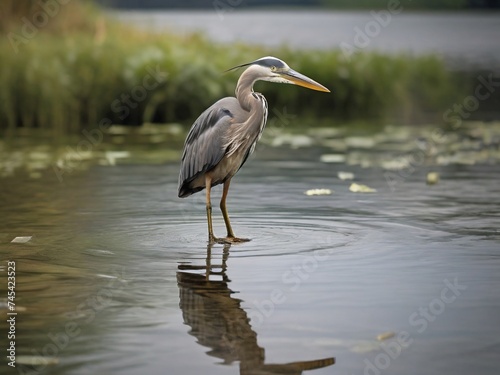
x: 71, y: 67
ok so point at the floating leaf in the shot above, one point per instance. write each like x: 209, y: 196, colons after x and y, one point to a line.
x: 432, y: 178
x: 21, y: 239
x: 385, y: 336
x: 345, y: 176
x: 396, y: 164
x: 358, y: 188
x: 318, y: 192
x: 360, y: 142
x: 294, y: 140
x: 111, y: 156
x: 333, y: 158
x: 325, y: 132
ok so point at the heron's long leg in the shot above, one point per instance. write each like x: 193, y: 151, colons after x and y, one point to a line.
x: 208, y: 185
x: 230, y: 235
x: 223, y: 208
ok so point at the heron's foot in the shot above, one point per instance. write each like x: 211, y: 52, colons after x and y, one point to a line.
x: 232, y: 239
x: 228, y: 240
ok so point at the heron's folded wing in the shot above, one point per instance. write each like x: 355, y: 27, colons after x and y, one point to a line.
x: 204, y: 147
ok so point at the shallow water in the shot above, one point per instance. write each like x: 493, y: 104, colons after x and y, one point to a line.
x: 114, y: 279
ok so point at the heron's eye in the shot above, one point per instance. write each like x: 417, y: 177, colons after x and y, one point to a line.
x: 273, y: 68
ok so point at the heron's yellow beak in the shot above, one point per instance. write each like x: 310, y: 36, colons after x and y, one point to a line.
x: 299, y: 79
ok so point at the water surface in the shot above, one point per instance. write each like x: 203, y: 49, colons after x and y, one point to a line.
x: 118, y: 278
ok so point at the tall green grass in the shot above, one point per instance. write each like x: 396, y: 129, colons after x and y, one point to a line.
x: 66, y: 81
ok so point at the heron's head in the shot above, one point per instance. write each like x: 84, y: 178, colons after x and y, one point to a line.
x: 275, y: 70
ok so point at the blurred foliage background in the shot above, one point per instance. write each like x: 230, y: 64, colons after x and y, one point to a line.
x: 80, y: 66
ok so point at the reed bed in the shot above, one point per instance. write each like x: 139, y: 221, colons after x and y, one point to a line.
x: 73, y: 75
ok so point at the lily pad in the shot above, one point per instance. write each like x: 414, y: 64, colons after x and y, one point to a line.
x: 345, y: 176
x: 360, y: 142
x: 432, y: 178
x: 358, y: 188
x: 332, y: 158
x: 23, y: 239
x: 111, y: 156
x: 385, y: 336
x: 311, y: 192
x: 294, y: 140
x: 325, y: 132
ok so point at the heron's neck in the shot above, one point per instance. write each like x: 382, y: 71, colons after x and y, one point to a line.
x: 244, y: 91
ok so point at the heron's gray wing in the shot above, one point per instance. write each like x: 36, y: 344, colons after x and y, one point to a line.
x: 204, y: 147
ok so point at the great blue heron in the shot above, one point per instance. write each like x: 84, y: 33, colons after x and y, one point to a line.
x: 223, y: 137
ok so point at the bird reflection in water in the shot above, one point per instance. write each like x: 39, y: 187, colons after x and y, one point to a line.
x: 219, y: 322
